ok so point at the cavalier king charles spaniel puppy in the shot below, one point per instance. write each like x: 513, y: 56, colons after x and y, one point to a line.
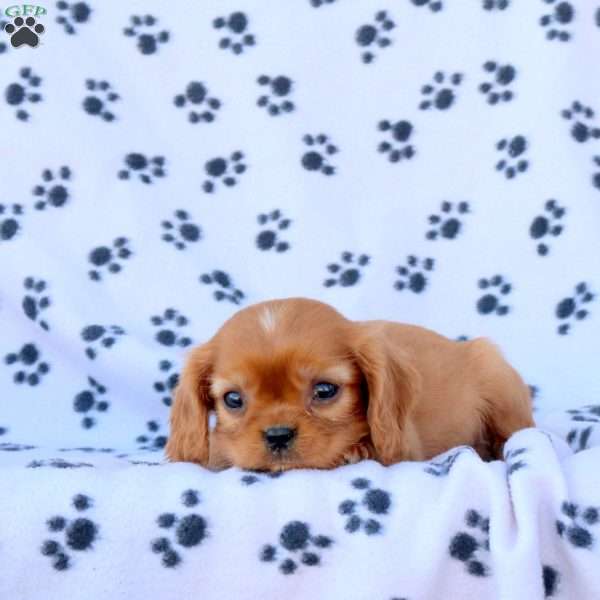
x: 294, y: 384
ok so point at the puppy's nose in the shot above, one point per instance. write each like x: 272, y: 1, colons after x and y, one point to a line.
x: 279, y: 438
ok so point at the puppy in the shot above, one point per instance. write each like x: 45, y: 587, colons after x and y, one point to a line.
x: 296, y: 385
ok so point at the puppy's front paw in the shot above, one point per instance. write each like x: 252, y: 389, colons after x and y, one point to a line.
x: 357, y: 453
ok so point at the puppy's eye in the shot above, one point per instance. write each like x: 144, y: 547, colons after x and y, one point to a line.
x: 233, y: 400
x: 324, y: 390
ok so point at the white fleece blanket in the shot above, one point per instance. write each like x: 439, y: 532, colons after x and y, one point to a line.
x: 104, y: 524
x: 163, y: 164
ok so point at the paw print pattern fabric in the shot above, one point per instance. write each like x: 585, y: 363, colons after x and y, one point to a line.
x: 374, y: 155
x: 305, y: 533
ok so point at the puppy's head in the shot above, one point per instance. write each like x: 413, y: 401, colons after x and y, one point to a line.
x: 293, y: 384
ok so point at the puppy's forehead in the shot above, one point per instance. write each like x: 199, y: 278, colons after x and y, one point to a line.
x: 276, y: 335
x: 283, y: 322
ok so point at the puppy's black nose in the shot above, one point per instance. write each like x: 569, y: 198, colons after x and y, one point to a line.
x: 279, y: 438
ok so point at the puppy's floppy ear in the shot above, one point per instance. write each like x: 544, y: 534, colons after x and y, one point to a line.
x: 393, y: 387
x: 188, y: 440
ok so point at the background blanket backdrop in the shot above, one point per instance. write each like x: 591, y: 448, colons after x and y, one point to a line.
x: 164, y: 164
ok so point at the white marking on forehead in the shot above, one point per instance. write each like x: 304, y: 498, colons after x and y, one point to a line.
x: 268, y: 319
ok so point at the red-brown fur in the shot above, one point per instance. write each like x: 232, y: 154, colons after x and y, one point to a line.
x: 406, y: 393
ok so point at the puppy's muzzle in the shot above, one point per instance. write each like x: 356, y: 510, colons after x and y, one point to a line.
x: 279, y: 438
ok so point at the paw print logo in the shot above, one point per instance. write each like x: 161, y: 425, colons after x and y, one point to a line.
x: 24, y: 92
x: 514, y: 150
x: 146, y: 30
x: 151, y: 440
x: 108, y: 259
x: 547, y: 225
x: 235, y: 28
x: 9, y: 221
x: 296, y: 545
x: 573, y: 308
x: 497, y: 88
x: 203, y: 107
x: 587, y: 414
x: 440, y: 94
x: 88, y: 400
x: 495, y: 4
x: 374, y: 35
x: 272, y: 224
x: 397, y: 147
x: 169, y: 324
x: 496, y: 288
x: 447, y: 223
x: 276, y: 101
x: 170, y: 379
x: 188, y: 531
x: 580, y: 116
x: 412, y: 275
x: 24, y: 31
x: 348, y: 271
x: 145, y: 168
x: 573, y: 526
x: 35, y: 302
x: 52, y: 192
x: 596, y: 175
x: 224, y: 286
x: 72, y: 14
x: 31, y: 367
x: 320, y: 149
x: 79, y: 533
x: 433, y: 5
x: 376, y: 502
x: 514, y: 460
x: 101, y: 97
x: 472, y: 547
x: 181, y: 231
x: 557, y: 22
x: 97, y: 336
x: 225, y: 171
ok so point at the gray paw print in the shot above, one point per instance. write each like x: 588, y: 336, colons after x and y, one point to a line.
x: 574, y: 308
x: 375, y: 501
x: 272, y: 224
x: 180, y: 230
x: 348, y: 271
x: 169, y: 325
x: 514, y: 150
x: 546, y: 226
x: 225, y: 289
x: 413, y: 275
x: 35, y: 301
x: 53, y: 191
x: 491, y: 302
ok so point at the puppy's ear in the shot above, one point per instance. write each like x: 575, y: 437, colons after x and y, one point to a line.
x: 188, y: 440
x: 393, y: 387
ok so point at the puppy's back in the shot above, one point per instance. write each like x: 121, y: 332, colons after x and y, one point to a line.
x: 467, y: 393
